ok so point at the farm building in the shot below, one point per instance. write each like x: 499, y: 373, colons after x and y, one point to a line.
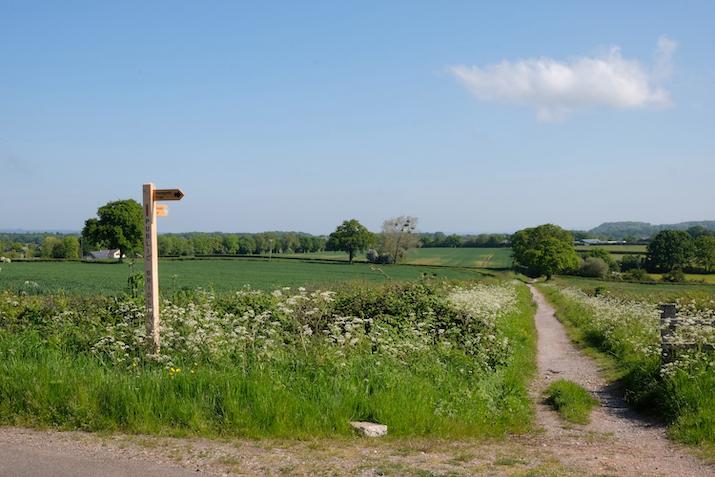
x: 104, y: 255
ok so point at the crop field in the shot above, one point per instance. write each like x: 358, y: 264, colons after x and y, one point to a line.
x: 656, y: 291
x: 498, y: 258
x: 461, y: 257
x: 708, y: 278
x: 622, y: 322
x: 220, y: 275
x: 614, y: 249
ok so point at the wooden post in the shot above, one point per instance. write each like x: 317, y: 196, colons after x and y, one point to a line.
x: 668, y: 325
x: 151, y: 270
x: 151, y: 257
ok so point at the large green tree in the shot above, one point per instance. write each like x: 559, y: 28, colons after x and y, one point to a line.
x: 544, y: 250
x: 51, y: 246
x: 705, y: 252
x: 350, y: 237
x: 70, y: 245
x: 119, y: 226
x: 669, y: 250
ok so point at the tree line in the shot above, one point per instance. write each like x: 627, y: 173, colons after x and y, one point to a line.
x: 40, y: 245
x: 218, y: 243
x: 544, y: 250
x: 442, y: 240
x: 548, y: 249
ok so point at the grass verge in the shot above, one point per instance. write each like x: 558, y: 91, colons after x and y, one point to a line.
x: 571, y: 401
x: 273, y: 364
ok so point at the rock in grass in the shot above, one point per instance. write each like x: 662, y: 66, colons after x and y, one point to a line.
x: 369, y: 429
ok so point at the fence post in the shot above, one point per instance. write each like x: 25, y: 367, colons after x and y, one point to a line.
x: 668, y: 325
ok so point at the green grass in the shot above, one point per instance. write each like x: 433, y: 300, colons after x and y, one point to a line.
x: 50, y: 377
x: 218, y: 274
x: 656, y: 291
x: 443, y: 257
x: 462, y: 257
x: 571, y: 401
x: 694, y: 278
x: 614, y: 249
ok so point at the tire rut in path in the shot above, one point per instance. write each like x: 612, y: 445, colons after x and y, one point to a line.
x: 618, y: 441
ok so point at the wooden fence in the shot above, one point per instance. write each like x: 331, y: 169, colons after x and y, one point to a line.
x: 668, y: 329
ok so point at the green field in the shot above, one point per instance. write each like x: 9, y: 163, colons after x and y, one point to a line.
x: 614, y: 249
x: 655, y: 291
x: 462, y: 257
x: 451, y: 257
x: 219, y: 275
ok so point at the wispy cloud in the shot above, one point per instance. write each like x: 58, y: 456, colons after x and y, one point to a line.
x: 555, y: 88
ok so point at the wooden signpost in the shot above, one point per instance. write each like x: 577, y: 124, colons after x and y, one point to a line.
x: 152, y: 210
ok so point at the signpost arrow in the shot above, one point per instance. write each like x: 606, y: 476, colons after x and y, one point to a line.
x: 168, y: 194
x: 162, y: 210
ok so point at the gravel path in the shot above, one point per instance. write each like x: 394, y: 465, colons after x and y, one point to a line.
x: 617, y: 440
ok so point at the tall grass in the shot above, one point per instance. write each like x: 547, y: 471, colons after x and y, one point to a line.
x: 627, y: 332
x: 571, y: 401
x: 54, y: 373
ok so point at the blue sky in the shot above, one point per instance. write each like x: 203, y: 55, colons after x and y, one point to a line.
x: 473, y: 116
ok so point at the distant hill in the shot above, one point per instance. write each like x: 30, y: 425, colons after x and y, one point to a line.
x: 620, y: 230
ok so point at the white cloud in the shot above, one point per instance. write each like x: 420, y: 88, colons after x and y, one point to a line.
x: 555, y: 88
x: 662, y: 63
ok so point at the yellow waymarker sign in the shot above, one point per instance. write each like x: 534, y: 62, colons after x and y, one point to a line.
x: 168, y: 194
x: 162, y: 210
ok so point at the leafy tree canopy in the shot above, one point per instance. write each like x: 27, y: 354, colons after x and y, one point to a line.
x: 544, y: 250
x: 705, y: 252
x: 669, y: 249
x: 350, y: 237
x: 119, y: 226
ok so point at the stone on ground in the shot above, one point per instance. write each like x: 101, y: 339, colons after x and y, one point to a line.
x: 369, y: 429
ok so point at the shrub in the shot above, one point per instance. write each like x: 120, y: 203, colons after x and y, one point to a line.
x: 593, y: 267
x: 637, y: 274
x: 631, y: 262
x: 373, y: 256
x: 604, y: 255
x: 674, y: 276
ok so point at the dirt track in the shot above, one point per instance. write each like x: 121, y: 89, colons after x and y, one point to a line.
x: 618, y: 440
